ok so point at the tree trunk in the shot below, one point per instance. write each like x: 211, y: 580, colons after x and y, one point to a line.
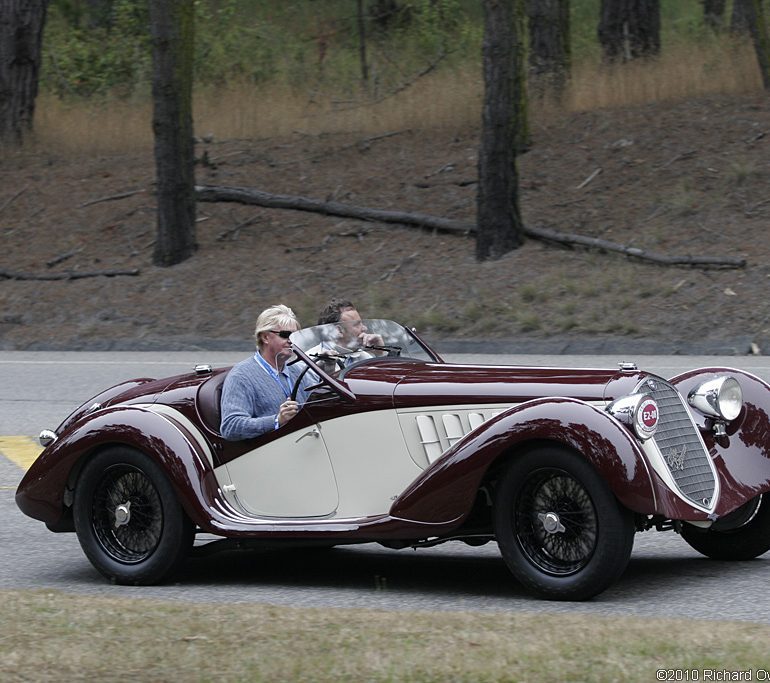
x: 714, y: 14
x: 99, y: 13
x: 522, y: 139
x: 362, y: 41
x: 498, y: 218
x: 549, y: 45
x: 761, y: 40
x: 740, y: 19
x: 629, y: 29
x: 172, y: 31
x: 21, y: 33
x: 749, y: 17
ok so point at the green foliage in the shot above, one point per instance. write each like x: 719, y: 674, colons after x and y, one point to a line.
x: 83, y: 60
x: 681, y: 21
x: 313, y: 45
x: 304, y: 43
x: 226, y: 47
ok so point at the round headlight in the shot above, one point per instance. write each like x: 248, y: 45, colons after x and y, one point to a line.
x: 721, y: 397
x: 637, y: 411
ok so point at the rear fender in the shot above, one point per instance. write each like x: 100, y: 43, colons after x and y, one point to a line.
x: 446, y: 491
x: 168, y: 441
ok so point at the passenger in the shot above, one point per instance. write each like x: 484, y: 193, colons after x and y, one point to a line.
x: 353, y: 335
x: 256, y: 396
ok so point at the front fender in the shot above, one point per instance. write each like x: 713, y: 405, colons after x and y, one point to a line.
x: 742, y: 458
x: 447, y: 489
x: 41, y: 492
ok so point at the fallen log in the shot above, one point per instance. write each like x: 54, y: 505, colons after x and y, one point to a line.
x: 10, y: 201
x: 69, y: 275
x: 110, y: 198
x: 245, y: 195
x: 548, y: 235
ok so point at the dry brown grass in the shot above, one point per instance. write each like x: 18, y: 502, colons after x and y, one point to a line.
x: 684, y: 71
x: 50, y: 636
x: 442, y: 100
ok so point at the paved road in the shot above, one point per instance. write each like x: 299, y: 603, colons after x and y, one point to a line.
x: 665, y: 577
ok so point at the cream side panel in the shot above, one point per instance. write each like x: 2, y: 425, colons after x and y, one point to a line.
x: 370, y: 461
x: 289, y: 477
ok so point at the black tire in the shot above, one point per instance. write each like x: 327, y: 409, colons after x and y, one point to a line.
x: 153, y: 534
x: 580, y: 543
x: 745, y: 542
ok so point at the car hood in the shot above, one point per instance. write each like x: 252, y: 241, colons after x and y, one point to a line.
x: 424, y: 384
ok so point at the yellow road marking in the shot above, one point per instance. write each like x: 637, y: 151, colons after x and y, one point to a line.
x: 20, y: 449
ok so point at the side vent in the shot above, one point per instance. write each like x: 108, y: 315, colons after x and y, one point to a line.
x: 453, y: 427
x: 475, y: 420
x: 429, y: 437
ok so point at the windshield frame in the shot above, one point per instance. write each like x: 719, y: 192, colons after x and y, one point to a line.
x: 390, y: 330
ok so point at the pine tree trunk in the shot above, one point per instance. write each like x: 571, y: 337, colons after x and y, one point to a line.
x: 714, y: 14
x: 549, y: 45
x: 761, y: 40
x: 172, y: 31
x: 629, y: 29
x: 740, y: 19
x: 522, y: 138
x: 498, y: 218
x: 21, y: 33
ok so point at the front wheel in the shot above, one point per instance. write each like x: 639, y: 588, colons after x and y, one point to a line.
x: 749, y: 539
x: 560, y: 529
x: 128, y: 519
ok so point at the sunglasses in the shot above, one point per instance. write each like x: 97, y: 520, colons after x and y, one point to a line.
x: 283, y: 334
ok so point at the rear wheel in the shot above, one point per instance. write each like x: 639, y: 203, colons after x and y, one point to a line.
x: 560, y: 529
x: 749, y: 538
x: 127, y: 518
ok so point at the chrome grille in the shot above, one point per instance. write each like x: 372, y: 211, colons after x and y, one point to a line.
x: 680, y: 444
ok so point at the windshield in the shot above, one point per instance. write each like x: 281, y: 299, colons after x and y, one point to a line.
x: 345, y: 343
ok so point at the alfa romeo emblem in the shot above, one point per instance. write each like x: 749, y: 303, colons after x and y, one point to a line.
x: 675, y: 459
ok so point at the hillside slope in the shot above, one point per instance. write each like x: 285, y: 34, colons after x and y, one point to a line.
x: 682, y: 178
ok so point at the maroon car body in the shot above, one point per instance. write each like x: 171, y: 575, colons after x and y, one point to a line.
x: 548, y: 462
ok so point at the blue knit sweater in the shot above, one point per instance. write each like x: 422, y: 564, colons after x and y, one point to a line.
x: 251, y: 398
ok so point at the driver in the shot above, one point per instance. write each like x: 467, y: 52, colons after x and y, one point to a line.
x: 256, y: 396
x: 352, y: 335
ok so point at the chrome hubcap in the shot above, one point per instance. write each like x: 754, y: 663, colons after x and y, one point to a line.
x: 123, y: 514
x: 551, y: 523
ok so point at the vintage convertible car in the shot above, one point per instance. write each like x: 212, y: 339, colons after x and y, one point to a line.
x: 561, y: 467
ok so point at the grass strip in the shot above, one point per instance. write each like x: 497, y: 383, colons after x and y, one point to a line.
x: 47, y: 636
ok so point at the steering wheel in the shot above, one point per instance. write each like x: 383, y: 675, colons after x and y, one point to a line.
x: 325, y: 380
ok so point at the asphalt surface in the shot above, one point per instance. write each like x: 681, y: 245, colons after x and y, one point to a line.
x: 665, y: 578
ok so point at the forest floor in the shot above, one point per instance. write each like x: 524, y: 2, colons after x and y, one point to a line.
x: 690, y: 177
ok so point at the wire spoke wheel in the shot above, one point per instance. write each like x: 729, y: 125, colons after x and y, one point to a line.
x: 560, y: 529
x: 128, y: 519
x: 127, y: 514
x: 555, y: 522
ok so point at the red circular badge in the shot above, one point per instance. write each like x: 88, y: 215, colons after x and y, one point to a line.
x: 648, y: 411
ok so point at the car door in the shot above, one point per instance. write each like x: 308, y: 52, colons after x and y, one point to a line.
x: 372, y: 465
x: 289, y: 477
